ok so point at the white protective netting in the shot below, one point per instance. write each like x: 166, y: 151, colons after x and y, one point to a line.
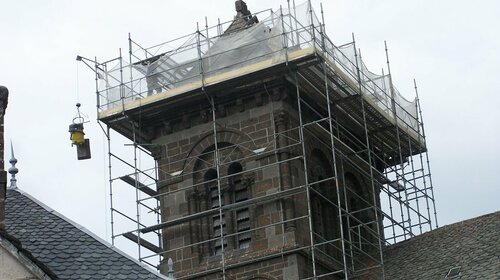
x: 199, y: 56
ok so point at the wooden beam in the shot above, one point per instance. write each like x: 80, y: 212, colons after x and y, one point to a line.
x: 143, y: 188
x: 144, y: 243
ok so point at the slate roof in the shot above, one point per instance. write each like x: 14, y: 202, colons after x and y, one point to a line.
x: 32, y: 262
x: 473, y: 245
x: 67, y: 249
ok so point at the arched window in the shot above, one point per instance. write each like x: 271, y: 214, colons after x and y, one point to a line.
x: 218, y: 223
x: 356, y: 198
x: 324, y: 209
x: 230, y: 229
x: 360, y: 208
x: 242, y: 215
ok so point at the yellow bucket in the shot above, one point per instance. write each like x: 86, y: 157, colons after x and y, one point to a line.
x: 77, y: 137
x: 76, y: 133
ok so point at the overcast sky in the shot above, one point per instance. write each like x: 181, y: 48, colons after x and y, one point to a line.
x: 450, y: 47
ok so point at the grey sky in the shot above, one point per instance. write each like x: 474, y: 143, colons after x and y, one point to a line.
x: 450, y: 47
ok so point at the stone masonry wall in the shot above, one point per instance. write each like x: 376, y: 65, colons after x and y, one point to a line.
x: 245, y: 134
x: 249, y: 128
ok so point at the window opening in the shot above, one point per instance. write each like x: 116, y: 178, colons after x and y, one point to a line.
x: 211, y: 185
x: 240, y: 192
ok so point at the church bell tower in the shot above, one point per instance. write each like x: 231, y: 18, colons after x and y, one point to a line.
x: 275, y: 153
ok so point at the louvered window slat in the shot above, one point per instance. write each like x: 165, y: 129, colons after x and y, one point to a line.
x: 242, y: 214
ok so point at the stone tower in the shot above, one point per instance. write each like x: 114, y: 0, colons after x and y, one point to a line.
x: 273, y: 148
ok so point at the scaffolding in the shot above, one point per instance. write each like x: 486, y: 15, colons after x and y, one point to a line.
x: 330, y: 118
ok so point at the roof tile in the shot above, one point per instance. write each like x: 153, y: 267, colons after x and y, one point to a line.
x: 473, y: 245
x: 71, y: 253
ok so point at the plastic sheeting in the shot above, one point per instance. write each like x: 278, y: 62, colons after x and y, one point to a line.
x: 198, y: 56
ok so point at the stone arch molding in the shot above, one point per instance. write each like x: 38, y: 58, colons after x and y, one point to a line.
x: 224, y: 135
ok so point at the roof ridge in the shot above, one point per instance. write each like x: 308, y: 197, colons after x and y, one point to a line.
x: 88, y: 232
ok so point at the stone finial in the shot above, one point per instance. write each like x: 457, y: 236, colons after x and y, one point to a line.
x: 241, y: 7
x: 13, y: 169
x: 242, y: 19
x: 170, y: 264
x: 243, y: 12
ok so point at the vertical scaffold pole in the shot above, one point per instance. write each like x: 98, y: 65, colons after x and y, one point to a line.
x: 290, y: 20
x: 122, y: 89
x: 313, y: 33
x: 200, y: 57
x: 110, y: 174
x: 219, y: 189
x: 296, y: 23
x: 206, y: 32
x: 428, y: 162
x: 158, y: 210
x: 386, y: 172
x: 216, y: 151
x: 334, y: 162
x: 323, y: 34
x: 219, y: 27
x: 401, y: 161
x: 370, y: 161
x: 98, y: 100
x: 130, y: 65
x: 424, y: 179
x: 136, y: 185
x: 306, y: 177
x: 323, y: 26
x: 285, y: 39
x: 416, y: 190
